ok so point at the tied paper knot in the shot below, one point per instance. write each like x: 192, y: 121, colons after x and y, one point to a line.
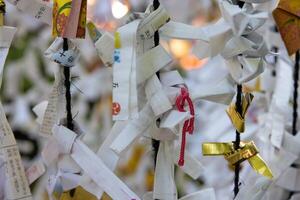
x: 188, y: 126
x: 248, y: 151
x: 237, y: 119
x: 235, y: 38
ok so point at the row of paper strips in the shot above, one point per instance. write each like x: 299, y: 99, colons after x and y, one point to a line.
x: 139, y: 114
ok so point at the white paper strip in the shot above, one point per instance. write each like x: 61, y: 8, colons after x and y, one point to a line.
x: 40, y: 10
x: 105, y: 48
x: 124, y: 73
x: 133, y: 130
x: 164, y: 184
x: 151, y: 62
x: 6, y: 36
x: 289, y: 179
x: 55, y: 107
x: 100, y: 173
x: 16, y: 184
x: 93, y: 166
x: 193, y: 167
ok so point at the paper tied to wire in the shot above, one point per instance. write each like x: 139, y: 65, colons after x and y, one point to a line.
x: 287, y: 19
x: 57, y: 54
x: 91, y: 164
x: 69, y: 18
x: 161, y: 95
x: 237, y: 119
x: 222, y: 92
x: 248, y: 151
x: 234, y: 36
x: 135, y: 60
x: 158, y: 103
x: 49, y: 113
x: 40, y: 10
x: 16, y: 184
x: 152, y: 22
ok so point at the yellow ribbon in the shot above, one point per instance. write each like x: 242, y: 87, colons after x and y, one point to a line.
x: 117, y: 40
x: 2, y: 12
x: 248, y: 151
x: 237, y: 119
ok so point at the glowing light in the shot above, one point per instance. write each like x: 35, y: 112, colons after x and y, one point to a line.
x: 191, y: 62
x: 118, y: 9
x: 180, y: 48
x: 91, y: 2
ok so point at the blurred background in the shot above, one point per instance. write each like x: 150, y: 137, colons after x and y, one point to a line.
x: 28, y: 79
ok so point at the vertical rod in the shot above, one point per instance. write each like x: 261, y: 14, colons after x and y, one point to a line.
x: 67, y: 74
x: 156, y: 143
x: 68, y: 90
x: 237, y: 141
x: 296, y: 85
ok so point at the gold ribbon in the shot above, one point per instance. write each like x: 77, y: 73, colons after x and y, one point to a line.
x: 237, y: 119
x: 248, y: 151
x: 117, y: 40
x: 2, y: 12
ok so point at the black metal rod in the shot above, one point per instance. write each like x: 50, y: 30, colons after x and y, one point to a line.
x: 237, y: 141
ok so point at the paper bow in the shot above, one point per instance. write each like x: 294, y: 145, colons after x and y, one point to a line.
x: 237, y: 119
x: 287, y: 18
x: 248, y: 151
x: 234, y: 37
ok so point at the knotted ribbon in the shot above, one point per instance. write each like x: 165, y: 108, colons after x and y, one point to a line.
x: 248, y: 151
x: 188, y: 126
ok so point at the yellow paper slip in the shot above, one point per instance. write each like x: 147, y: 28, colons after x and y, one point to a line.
x: 287, y: 18
x: 69, y: 18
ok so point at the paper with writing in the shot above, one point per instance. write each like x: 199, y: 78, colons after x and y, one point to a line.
x: 35, y: 171
x: 66, y: 58
x: 55, y: 107
x: 152, y: 22
x: 16, y: 184
x: 40, y: 10
x: 6, y: 36
x: 124, y: 72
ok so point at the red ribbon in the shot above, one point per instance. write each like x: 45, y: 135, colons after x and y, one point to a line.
x: 188, y: 126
